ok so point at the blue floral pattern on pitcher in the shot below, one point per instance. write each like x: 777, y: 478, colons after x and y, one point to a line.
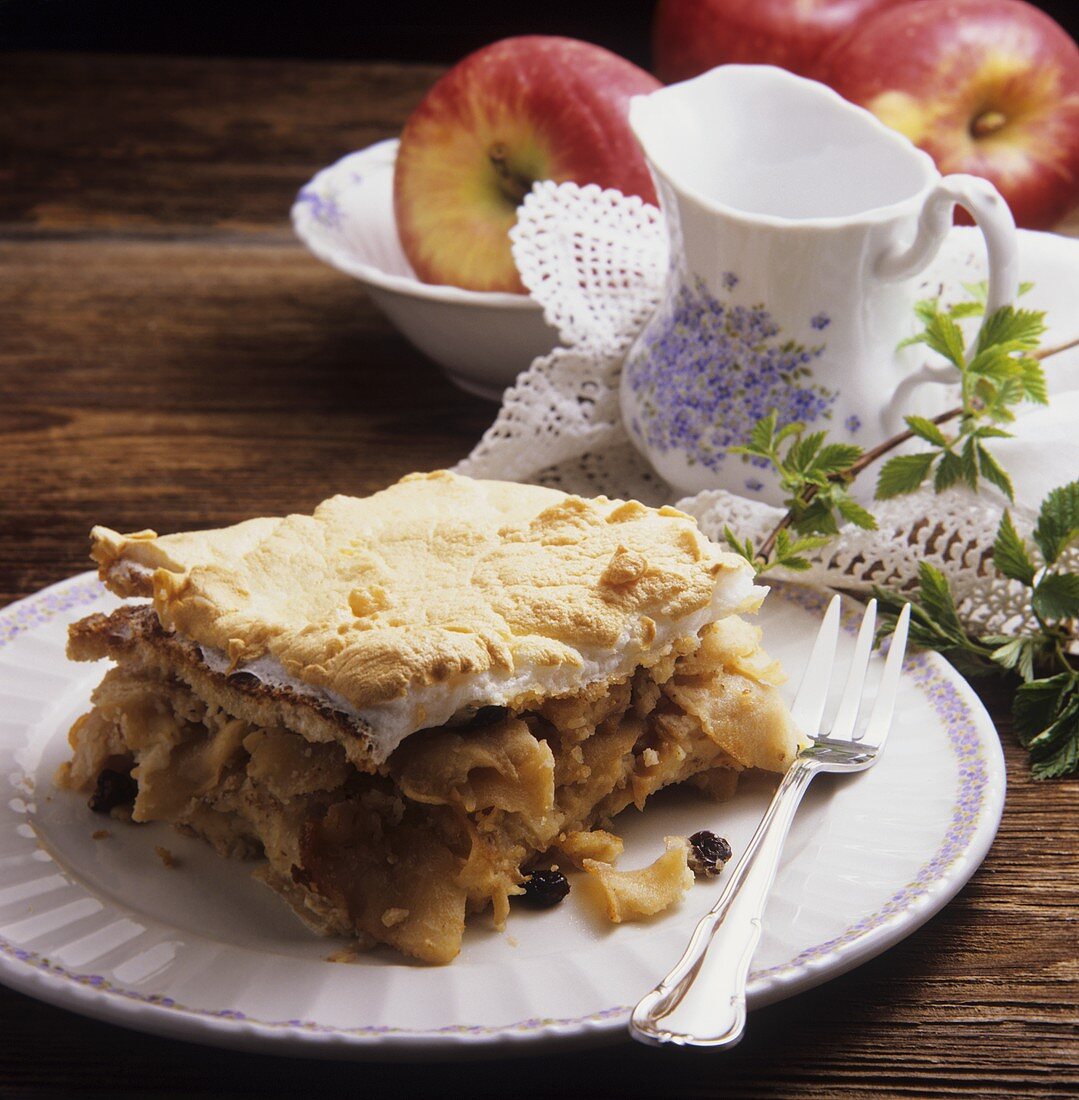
x: 704, y: 372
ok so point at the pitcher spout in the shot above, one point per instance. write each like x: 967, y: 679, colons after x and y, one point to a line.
x: 758, y: 141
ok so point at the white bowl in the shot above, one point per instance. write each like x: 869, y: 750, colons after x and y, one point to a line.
x: 482, y: 340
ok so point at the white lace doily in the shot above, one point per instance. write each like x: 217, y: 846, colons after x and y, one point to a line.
x: 597, y: 261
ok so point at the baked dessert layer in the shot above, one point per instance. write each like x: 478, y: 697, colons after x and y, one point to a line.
x: 457, y: 816
x: 435, y: 596
x: 406, y: 703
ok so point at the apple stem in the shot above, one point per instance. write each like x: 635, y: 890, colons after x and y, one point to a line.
x: 512, y: 185
x: 987, y: 123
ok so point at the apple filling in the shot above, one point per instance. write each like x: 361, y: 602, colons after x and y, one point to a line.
x: 454, y: 821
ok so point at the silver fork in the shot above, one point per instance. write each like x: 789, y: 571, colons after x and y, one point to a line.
x: 702, y: 1001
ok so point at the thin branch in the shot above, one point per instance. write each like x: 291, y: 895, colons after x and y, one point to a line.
x: 882, y: 449
x: 879, y: 451
x: 1044, y: 353
x: 769, y: 543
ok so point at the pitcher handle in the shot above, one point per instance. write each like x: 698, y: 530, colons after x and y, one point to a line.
x: 990, y: 212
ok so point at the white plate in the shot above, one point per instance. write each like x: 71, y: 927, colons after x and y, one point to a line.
x: 202, y: 952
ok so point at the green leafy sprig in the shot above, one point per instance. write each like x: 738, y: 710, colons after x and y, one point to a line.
x: 1001, y: 371
x: 995, y: 376
x: 1046, y: 704
x: 815, y: 475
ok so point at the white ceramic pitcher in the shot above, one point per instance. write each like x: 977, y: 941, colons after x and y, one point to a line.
x: 797, y: 224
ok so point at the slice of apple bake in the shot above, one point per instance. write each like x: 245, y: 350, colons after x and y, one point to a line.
x: 405, y: 701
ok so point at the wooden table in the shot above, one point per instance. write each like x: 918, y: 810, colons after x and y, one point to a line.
x: 169, y: 355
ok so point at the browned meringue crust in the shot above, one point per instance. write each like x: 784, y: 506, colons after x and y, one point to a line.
x: 434, y: 579
x: 525, y: 577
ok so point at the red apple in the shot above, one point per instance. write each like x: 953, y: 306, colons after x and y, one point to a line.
x: 521, y: 110
x: 692, y: 36
x: 989, y: 87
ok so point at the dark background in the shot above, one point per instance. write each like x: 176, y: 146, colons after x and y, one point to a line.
x: 393, y: 30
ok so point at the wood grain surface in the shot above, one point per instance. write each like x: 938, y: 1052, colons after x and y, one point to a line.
x: 170, y: 356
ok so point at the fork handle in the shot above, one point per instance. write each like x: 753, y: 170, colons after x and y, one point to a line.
x: 702, y: 1001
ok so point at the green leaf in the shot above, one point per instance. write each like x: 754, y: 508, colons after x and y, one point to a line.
x: 990, y: 431
x: 982, y: 288
x: 979, y: 291
x: 1032, y: 378
x: 1065, y: 761
x: 934, y: 623
x: 993, y: 362
x: 927, y: 430
x: 854, y: 513
x: 1055, y: 751
x: 1010, y: 554
x: 993, y: 472
x: 815, y: 518
x: 949, y: 471
x: 917, y: 338
x: 1058, y: 521
x: 789, y: 551
x: 945, y: 337
x: 1009, y: 392
x: 1037, y: 704
x: 903, y: 474
x: 800, y: 456
x: 988, y: 372
x: 966, y: 309
x: 1012, y: 329
x: 1018, y: 654
x: 1046, y: 715
x: 936, y: 598
x: 794, y: 563
x: 836, y: 458
x: 809, y: 542
x: 745, y: 549
x: 761, y: 437
x: 969, y: 460
x: 1056, y: 596
x: 795, y: 427
x: 996, y: 402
